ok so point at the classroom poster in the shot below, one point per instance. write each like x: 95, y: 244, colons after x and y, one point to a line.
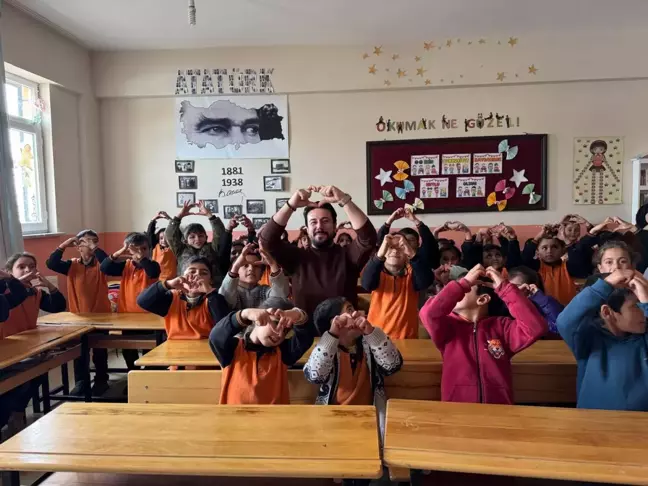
x: 424, y: 165
x: 236, y: 127
x: 455, y: 164
x: 598, y: 170
x: 436, y: 188
x: 471, y: 187
x: 487, y: 163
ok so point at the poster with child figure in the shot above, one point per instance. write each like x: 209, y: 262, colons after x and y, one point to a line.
x: 424, y: 165
x: 436, y: 188
x: 455, y: 164
x: 598, y: 170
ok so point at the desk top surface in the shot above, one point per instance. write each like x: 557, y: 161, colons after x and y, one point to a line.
x: 206, y: 440
x: 136, y: 321
x: 552, y: 443
x: 27, y: 344
x: 416, y: 352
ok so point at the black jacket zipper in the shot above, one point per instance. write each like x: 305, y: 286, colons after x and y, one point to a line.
x: 479, y: 380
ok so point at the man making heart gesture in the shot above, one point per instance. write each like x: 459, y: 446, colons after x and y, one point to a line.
x: 324, y: 269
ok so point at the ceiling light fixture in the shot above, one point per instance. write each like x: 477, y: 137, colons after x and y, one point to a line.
x: 192, y: 13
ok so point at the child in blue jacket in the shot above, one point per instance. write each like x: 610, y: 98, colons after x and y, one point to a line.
x: 605, y: 327
x: 529, y: 282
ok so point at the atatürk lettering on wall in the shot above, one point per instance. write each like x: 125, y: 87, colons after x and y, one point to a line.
x: 224, y: 81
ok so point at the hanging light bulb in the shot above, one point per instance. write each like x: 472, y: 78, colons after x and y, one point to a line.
x: 192, y: 12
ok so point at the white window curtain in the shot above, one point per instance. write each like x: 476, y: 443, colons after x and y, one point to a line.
x: 10, y: 229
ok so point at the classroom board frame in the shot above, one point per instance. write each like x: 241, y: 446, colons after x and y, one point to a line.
x: 542, y: 189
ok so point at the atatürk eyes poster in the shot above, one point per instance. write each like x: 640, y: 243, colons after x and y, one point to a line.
x: 232, y: 127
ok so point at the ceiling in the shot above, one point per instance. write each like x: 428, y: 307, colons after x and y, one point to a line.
x: 162, y: 24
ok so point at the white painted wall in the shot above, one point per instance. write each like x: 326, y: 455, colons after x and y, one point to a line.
x: 329, y: 131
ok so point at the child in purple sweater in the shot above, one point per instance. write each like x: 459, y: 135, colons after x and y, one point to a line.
x: 530, y: 283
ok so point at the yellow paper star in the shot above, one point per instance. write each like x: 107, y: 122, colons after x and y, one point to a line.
x: 501, y: 76
x: 420, y: 71
x: 365, y: 56
x: 395, y: 56
x: 387, y: 69
x: 428, y: 45
x: 387, y: 82
x: 461, y: 75
x: 400, y: 73
x: 482, y: 41
x: 459, y: 41
x: 417, y: 58
x: 428, y: 82
x: 378, y: 50
x: 533, y: 69
x: 512, y: 41
x: 372, y: 69
x: 470, y: 43
x: 449, y: 43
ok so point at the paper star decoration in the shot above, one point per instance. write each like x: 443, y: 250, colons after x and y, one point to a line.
x: 372, y: 69
x: 428, y: 82
x: 449, y: 43
x: 365, y: 56
x: 384, y: 177
x: 417, y: 58
x: 378, y: 50
x: 420, y: 71
x: 387, y: 82
x: 395, y: 56
x: 501, y: 76
x: 401, y: 73
x: 512, y: 41
x: 533, y: 69
x: 518, y: 177
x: 482, y: 41
x: 428, y: 45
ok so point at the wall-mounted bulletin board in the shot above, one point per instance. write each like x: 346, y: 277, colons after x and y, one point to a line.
x: 452, y: 175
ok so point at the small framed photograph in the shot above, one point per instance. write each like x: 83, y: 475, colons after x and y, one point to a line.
x: 256, y: 206
x: 182, y: 197
x: 185, y: 166
x: 273, y: 183
x: 188, y: 182
x: 232, y: 211
x: 280, y: 166
x: 211, y: 204
x: 258, y: 222
x: 281, y: 202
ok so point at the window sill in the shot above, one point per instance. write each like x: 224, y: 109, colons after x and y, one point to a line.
x: 35, y: 236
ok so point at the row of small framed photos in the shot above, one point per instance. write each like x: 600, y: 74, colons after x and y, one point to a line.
x: 252, y: 206
x: 270, y: 183
x: 277, y: 166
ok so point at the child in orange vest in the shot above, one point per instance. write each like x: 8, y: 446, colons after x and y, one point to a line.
x: 395, y: 276
x: 557, y: 266
x: 162, y: 253
x: 189, y: 304
x: 24, y: 316
x: 255, y: 348
x: 87, y: 290
x: 137, y: 271
x: 12, y: 294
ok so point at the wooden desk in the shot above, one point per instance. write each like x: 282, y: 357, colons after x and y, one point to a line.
x: 200, y: 440
x: 543, y: 373
x: 118, y: 322
x: 535, y: 442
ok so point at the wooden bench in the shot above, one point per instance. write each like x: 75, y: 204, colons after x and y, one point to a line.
x: 516, y: 441
x: 201, y: 387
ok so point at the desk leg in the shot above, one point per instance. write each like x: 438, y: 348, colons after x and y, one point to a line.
x: 85, y: 364
x: 46, y: 394
x: 65, y: 379
x: 35, y: 396
x: 159, y: 337
x: 416, y: 477
x: 11, y: 478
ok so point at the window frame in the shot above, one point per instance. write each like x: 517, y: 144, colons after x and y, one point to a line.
x: 36, y: 128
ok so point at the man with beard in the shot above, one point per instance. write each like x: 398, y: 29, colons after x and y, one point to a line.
x: 324, y: 269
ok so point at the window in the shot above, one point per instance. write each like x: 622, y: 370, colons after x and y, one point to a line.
x: 25, y: 139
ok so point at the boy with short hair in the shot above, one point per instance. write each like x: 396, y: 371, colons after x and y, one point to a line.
x: 557, y: 265
x: 395, y: 276
x: 189, y: 304
x: 87, y: 290
x: 476, y: 345
x: 605, y: 328
x: 193, y: 243
x: 137, y: 273
x: 162, y: 253
x: 255, y: 347
x: 241, y: 287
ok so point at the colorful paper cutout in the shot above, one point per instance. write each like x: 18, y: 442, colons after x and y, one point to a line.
x: 386, y: 197
x: 534, y: 198
x: 492, y: 199
x: 384, y: 177
x: 418, y: 204
x: 528, y: 189
x: 518, y: 177
x: 511, y: 152
x: 408, y: 186
x: 402, y: 166
x: 500, y: 186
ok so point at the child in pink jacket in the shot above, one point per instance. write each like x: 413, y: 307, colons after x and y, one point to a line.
x: 476, y: 347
